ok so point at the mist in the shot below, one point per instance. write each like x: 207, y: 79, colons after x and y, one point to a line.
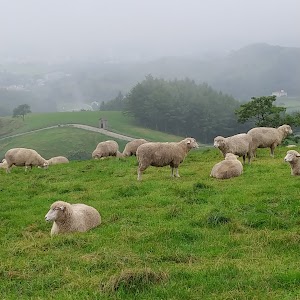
x: 136, y: 30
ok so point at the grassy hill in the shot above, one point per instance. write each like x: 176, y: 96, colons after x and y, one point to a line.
x: 65, y: 141
x: 163, y: 238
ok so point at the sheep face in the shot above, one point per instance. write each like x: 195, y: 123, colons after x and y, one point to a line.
x: 287, y: 129
x: 191, y: 143
x: 219, y: 142
x: 291, y: 155
x: 55, y: 213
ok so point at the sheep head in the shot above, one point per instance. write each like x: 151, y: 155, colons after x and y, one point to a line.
x: 57, y: 211
x: 291, y: 155
x: 231, y: 156
x: 191, y: 143
x: 219, y: 142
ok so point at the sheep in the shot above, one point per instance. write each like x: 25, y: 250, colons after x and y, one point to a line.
x: 293, y: 158
x: 239, y: 144
x: 268, y: 137
x: 57, y: 160
x: 163, y: 154
x: 24, y: 157
x: 68, y: 217
x: 131, y: 147
x: 227, y: 168
x: 107, y: 148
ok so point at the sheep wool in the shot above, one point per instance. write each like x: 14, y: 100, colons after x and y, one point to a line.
x: 239, y: 144
x: 107, y: 148
x: 68, y: 217
x: 131, y: 147
x: 268, y: 137
x: 57, y: 160
x: 163, y: 154
x: 293, y: 158
x: 24, y: 157
x: 228, y: 168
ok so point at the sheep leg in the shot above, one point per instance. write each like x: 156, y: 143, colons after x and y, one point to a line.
x: 140, y: 172
x: 176, y: 174
x: 244, y: 159
x: 273, y: 146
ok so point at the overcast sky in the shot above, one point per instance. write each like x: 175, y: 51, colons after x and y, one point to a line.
x: 143, y: 28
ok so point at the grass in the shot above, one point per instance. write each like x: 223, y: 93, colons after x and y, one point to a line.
x: 117, y: 122
x: 194, y: 237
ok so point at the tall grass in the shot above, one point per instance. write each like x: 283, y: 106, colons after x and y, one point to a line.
x: 163, y: 238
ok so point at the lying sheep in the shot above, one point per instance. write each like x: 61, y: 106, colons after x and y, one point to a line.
x: 293, y: 158
x: 131, y: 147
x: 57, y: 160
x: 228, y: 168
x: 268, y: 137
x: 72, y: 217
x: 239, y: 144
x: 163, y: 154
x: 24, y: 157
x: 107, y: 148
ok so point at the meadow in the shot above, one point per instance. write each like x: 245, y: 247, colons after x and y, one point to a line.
x: 194, y: 237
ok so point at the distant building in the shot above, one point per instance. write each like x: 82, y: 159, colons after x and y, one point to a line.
x: 103, y: 123
x: 280, y: 93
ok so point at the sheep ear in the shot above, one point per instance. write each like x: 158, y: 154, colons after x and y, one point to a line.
x: 298, y: 155
x: 62, y: 208
x: 189, y: 141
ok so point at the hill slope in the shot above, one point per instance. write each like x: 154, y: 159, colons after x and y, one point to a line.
x: 163, y: 238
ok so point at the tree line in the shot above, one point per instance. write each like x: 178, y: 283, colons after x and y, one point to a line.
x: 185, y: 108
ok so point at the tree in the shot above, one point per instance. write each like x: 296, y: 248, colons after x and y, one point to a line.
x: 262, y: 111
x: 21, y: 110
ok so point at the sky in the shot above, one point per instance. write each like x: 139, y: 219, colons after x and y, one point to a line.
x: 142, y: 29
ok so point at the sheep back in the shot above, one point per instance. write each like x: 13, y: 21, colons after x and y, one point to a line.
x: 131, y: 147
x: 228, y: 168
x: 58, y: 160
x: 107, y: 148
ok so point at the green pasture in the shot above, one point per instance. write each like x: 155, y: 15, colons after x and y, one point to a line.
x: 193, y: 237
x: 117, y: 122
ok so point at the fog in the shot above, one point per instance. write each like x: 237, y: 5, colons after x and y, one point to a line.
x: 142, y: 29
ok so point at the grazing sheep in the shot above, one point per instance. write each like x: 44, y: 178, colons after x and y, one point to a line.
x: 57, y: 160
x: 72, y: 217
x: 3, y: 164
x: 268, y: 137
x: 107, y: 148
x: 131, y: 147
x: 293, y: 158
x: 24, y: 157
x: 163, y: 154
x: 228, y: 168
x: 239, y: 144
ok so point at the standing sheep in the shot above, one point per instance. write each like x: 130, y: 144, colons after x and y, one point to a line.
x: 107, y: 148
x: 72, y: 217
x: 57, y: 160
x: 293, y: 158
x: 268, y: 137
x: 164, y: 154
x: 24, y: 157
x: 228, y: 168
x: 239, y: 144
x: 131, y: 147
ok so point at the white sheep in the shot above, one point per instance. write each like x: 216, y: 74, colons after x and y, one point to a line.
x: 72, y: 217
x: 131, y: 147
x: 57, y: 160
x: 163, y: 154
x: 268, y: 137
x: 3, y: 164
x: 24, y: 157
x: 239, y: 144
x: 227, y: 168
x: 105, y: 149
x: 293, y: 158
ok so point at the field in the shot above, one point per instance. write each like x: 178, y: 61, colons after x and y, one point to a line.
x: 70, y: 142
x: 163, y: 238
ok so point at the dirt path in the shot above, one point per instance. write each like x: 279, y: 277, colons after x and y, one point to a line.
x: 80, y: 126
